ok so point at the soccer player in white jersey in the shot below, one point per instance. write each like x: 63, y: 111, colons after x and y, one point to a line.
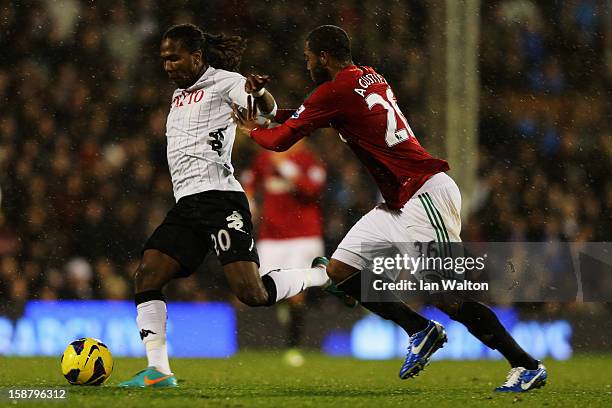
x: 211, y: 211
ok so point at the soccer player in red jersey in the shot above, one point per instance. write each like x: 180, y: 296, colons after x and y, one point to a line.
x: 422, y: 203
x: 287, y: 187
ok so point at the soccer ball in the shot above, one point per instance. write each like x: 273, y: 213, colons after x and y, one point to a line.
x: 87, y: 361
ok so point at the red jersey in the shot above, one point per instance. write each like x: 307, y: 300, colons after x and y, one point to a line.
x: 360, y: 105
x: 291, y: 187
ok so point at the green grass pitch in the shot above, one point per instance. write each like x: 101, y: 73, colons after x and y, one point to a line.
x: 260, y: 379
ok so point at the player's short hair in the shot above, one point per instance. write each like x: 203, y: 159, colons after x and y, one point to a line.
x: 220, y: 51
x: 331, y: 39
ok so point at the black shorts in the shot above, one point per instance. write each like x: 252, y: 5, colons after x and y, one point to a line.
x: 212, y: 220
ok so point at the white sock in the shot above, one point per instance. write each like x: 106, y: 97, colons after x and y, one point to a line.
x: 290, y: 282
x: 151, y: 321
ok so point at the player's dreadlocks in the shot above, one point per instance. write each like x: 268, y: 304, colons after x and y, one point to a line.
x: 219, y: 51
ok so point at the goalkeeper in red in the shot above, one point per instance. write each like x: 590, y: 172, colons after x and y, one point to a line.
x: 422, y: 203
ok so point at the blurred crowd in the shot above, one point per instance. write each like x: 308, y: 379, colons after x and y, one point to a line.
x: 83, y: 173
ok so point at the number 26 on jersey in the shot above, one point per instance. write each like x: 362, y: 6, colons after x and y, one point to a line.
x: 396, y: 132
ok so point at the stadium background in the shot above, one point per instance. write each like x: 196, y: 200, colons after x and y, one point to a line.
x: 84, y: 178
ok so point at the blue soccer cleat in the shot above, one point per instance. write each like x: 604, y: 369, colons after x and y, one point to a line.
x: 330, y: 287
x: 150, y: 378
x: 522, y: 380
x: 422, y: 345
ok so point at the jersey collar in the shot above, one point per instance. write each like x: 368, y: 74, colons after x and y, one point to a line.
x: 200, y: 82
x: 345, y: 70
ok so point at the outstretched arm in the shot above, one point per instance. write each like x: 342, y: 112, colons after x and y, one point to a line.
x: 278, y: 139
x: 318, y: 111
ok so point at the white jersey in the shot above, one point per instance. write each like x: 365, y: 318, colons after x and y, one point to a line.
x: 201, y: 133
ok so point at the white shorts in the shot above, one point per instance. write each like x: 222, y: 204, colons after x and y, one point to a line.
x: 432, y: 214
x: 290, y: 253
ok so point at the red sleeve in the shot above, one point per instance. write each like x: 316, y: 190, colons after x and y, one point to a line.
x: 318, y: 110
x: 282, y: 115
x: 278, y: 139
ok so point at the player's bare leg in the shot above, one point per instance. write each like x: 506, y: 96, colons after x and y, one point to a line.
x: 244, y: 281
x: 156, y: 269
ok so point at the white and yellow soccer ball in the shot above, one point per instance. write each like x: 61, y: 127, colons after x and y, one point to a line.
x: 87, y: 361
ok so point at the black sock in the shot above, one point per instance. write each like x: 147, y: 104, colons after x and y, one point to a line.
x: 398, y: 312
x: 482, y: 322
x: 148, y: 295
x: 296, y: 321
x: 270, y: 287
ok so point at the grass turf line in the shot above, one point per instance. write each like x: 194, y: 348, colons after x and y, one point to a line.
x: 260, y: 379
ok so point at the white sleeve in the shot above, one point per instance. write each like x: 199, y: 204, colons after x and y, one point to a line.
x: 238, y: 95
x: 236, y: 92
